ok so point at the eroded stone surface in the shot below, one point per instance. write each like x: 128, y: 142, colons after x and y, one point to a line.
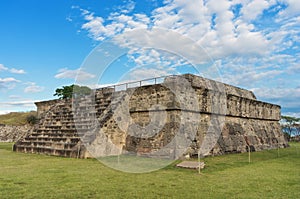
x: 191, y: 165
x: 178, y: 117
x: 10, y: 133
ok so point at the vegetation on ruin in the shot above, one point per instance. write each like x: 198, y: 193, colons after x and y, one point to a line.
x: 67, y: 92
x: 19, y: 118
x: 271, y: 174
x: 290, y: 126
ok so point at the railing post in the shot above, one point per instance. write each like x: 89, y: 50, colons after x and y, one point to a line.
x: 156, y: 80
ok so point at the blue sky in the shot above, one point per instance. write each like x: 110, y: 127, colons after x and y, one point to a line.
x: 48, y: 44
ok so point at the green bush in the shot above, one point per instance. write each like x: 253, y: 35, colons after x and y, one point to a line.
x: 31, y: 119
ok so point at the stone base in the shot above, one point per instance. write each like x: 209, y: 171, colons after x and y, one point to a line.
x: 191, y: 165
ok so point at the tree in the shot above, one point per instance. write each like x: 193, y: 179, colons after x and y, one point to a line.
x: 289, y: 124
x: 67, y: 92
x: 297, y: 128
x: 31, y: 119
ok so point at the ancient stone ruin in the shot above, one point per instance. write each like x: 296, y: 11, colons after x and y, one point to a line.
x: 11, y: 133
x: 183, y: 115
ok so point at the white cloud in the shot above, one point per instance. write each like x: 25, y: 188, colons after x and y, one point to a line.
x: 145, y: 73
x: 17, y: 71
x: 11, y: 70
x: 14, y: 97
x: 294, y: 68
x: 33, y: 88
x: 293, y: 8
x: 292, y: 114
x: 3, y: 112
x: 74, y: 74
x: 248, y: 77
x: 3, y: 68
x: 127, y: 7
x: 254, y: 8
x: 14, y: 106
x: 95, y: 27
x: 252, y: 52
x: 188, y: 18
x: 287, y: 98
x: 8, y: 83
x: 277, y: 93
x: 8, y: 80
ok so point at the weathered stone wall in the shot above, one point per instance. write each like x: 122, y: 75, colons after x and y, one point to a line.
x: 10, y: 133
x: 45, y: 106
x: 157, y: 120
x: 248, y: 123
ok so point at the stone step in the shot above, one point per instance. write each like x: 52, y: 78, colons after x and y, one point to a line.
x: 52, y: 139
x: 65, y: 142
x: 48, y: 151
x: 51, y: 131
x: 47, y: 144
x: 54, y: 136
x: 62, y: 128
x: 51, y: 134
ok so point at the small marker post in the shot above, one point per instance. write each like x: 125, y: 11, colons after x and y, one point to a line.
x: 199, y: 169
x: 278, y: 150
x: 249, y: 154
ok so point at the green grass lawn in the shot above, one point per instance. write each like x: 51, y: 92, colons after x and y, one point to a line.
x: 229, y: 176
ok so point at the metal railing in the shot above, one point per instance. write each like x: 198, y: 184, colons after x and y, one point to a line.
x: 139, y: 83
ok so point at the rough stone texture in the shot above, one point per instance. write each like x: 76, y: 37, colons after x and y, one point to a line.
x: 180, y: 116
x: 10, y: 133
x: 191, y: 165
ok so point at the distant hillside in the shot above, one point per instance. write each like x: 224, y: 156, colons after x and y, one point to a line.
x: 16, y: 118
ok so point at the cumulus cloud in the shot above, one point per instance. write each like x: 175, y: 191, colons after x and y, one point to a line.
x: 210, y: 24
x: 293, y: 8
x: 252, y: 9
x: 255, y: 41
x: 73, y: 74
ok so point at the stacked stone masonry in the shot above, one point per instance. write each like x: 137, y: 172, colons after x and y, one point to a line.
x: 211, y: 116
x: 12, y: 133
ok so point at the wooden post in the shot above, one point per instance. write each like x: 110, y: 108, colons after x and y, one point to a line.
x: 199, y: 169
x: 277, y: 149
x: 249, y: 154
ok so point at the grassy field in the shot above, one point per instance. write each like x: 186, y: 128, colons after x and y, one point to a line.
x: 230, y: 176
x: 16, y: 118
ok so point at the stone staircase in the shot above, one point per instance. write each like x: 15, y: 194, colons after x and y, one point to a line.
x: 61, y: 128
